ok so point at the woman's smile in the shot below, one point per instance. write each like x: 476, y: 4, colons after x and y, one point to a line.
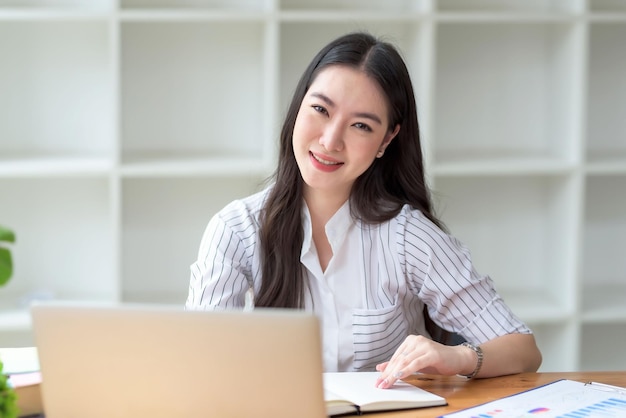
x: 324, y: 163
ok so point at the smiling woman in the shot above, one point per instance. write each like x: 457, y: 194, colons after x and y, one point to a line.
x: 347, y: 231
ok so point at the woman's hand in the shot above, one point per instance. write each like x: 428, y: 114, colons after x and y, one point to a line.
x: 507, y: 354
x: 421, y: 354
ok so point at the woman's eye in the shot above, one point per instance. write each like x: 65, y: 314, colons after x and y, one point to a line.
x: 363, y: 126
x: 320, y: 109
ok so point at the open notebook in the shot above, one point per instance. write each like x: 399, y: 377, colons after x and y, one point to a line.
x: 154, y: 361
x: 356, y: 393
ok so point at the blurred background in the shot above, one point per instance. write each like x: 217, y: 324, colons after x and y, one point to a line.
x: 126, y: 124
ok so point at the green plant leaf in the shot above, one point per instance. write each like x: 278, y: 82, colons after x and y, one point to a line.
x: 6, y: 266
x: 6, y: 234
x: 8, y: 398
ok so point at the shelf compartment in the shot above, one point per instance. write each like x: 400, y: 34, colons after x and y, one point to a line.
x: 609, y: 164
x: 58, y: 5
x: 168, y: 165
x: 13, y: 319
x: 606, y: 142
x: 203, y: 94
x: 16, y: 337
x: 300, y: 41
x: 234, y: 5
x: 604, y: 264
x: 603, y: 6
x: 602, y: 347
x: 509, y: 6
x: 604, y: 302
x: 509, y: 164
x: 191, y: 15
x: 49, y: 165
x: 354, y: 5
x: 507, y: 89
x: 64, y: 241
x: 15, y: 325
x: 521, y: 233
x: 57, y: 94
x: 162, y: 223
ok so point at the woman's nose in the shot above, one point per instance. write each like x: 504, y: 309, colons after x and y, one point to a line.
x: 332, y: 137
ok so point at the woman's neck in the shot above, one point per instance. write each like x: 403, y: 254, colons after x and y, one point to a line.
x: 322, y: 206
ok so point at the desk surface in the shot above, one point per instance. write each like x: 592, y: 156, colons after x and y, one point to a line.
x: 459, y: 392
x: 462, y: 393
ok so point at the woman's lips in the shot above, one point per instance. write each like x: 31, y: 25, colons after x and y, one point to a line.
x: 324, y: 164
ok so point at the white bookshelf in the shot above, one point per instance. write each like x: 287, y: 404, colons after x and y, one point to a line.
x: 126, y: 124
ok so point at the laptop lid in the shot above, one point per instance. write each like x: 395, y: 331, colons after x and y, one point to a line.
x: 157, y: 361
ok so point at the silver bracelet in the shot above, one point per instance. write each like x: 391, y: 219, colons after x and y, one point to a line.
x: 479, y: 363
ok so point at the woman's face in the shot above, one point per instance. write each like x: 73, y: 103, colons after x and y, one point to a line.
x: 340, y: 128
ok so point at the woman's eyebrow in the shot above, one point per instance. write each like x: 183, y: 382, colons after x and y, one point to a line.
x: 330, y: 103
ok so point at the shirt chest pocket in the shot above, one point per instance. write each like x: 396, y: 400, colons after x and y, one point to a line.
x: 377, y: 333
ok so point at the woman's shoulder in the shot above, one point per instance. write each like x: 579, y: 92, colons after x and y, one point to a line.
x: 412, y: 222
x: 248, y: 207
x: 411, y: 217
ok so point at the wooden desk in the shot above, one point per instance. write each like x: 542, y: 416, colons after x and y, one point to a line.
x: 461, y: 393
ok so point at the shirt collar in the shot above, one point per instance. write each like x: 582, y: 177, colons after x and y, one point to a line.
x: 336, y: 227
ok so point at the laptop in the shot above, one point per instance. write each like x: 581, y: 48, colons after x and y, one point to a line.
x: 140, y: 361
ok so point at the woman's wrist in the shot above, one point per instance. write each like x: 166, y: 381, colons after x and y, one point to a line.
x: 476, y: 354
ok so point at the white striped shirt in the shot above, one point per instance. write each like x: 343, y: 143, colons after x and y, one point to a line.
x: 373, y: 291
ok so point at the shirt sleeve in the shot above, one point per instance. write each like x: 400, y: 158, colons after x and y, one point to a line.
x: 459, y: 299
x: 222, y: 273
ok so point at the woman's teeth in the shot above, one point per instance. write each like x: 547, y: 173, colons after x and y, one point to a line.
x: 325, y: 162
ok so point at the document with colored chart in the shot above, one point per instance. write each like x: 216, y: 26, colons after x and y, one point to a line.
x: 561, y: 399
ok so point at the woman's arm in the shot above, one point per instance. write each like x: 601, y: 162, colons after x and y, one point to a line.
x: 220, y: 276
x: 508, y: 354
